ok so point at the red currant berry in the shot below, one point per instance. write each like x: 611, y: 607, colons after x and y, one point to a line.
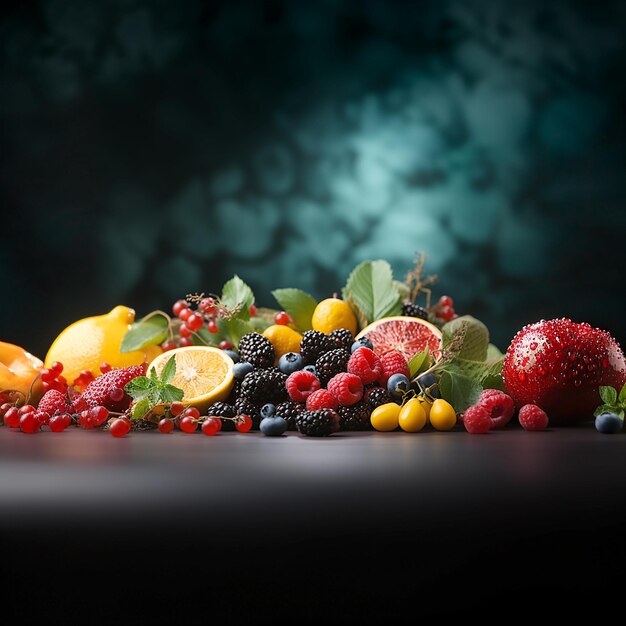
x: 27, y: 408
x: 47, y: 376
x: 178, y: 306
x: 166, y: 425
x: 184, y: 330
x: 185, y: 314
x: 67, y: 418
x: 207, y: 305
x: 446, y: 301
x: 57, y: 368
x: 183, y: 342
x: 243, y: 423
x: 211, y: 426
x: 188, y: 424
x: 192, y: 412
x: 194, y: 322
x: 446, y: 313
x: 41, y: 416
x: 58, y: 423
x: 252, y: 310
x: 225, y: 345
x: 116, y: 394
x: 105, y: 367
x: 5, y: 407
x: 282, y: 318
x: 120, y: 427
x: 176, y: 408
x: 12, y: 417
x: 29, y: 422
x: 98, y: 415
x: 212, y: 326
x: 168, y: 345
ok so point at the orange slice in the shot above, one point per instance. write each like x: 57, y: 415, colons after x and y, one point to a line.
x: 204, y: 373
x: 408, y: 335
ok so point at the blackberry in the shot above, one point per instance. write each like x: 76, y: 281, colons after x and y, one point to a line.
x: 377, y: 396
x: 261, y: 386
x: 355, y: 417
x: 330, y: 364
x: 223, y: 409
x: 318, y: 423
x: 342, y: 338
x: 414, y: 310
x: 256, y: 349
x: 234, y: 392
x: 313, y: 344
x: 246, y: 407
x: 290, y: 410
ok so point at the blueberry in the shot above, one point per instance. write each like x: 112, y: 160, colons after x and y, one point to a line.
x: 429, y: 382
x: 290, y: 362
x: 397, y: 385
x: 267, y: 410
x: 363, y: 342
x: 310, y: 368
x: 233, y: 355
x: 609, y: 423
x: 241, y: 369
x: 273, y: 426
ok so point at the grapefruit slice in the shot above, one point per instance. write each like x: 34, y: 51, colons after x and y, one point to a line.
x: 204, y: 373
x: 407, y: 335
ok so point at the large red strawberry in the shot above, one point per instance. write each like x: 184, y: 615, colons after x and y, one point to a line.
x: 98, y: 392
x: 560, y: 366
x: 53, y: 401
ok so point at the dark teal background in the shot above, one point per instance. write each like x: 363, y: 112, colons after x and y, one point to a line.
x: 150, y: 149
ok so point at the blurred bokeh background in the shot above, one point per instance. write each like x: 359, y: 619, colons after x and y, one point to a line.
x: 153, y: 148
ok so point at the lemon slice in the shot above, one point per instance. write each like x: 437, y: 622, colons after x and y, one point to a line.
x: 205, y: 374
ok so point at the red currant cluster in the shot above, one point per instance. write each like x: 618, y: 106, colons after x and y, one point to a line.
x: 188, y: 419
x: 52, y: 379
x: 26, y: 418
x: 444, y: 309
x: 206, y: 314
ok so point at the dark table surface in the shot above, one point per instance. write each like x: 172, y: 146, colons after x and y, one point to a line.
x: 354, y: 528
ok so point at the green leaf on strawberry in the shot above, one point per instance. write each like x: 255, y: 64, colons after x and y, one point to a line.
x: 298, y: 304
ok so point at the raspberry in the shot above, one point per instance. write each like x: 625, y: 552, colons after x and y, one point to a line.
x: 321, y: 399
x: 301, y: 384
x: 97, y: 392
x: 392, y: 362
x: 499, y: 406
x: 347, y: 388
x: 52, y: 402
x: 532, y: 417
x: 366, y: 365
x: 477, y: 419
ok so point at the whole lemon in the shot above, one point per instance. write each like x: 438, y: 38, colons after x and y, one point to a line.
x: 283, y: 338
x: 333, y: 313
x: 87, y: 343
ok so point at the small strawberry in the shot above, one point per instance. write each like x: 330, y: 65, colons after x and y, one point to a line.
x: 560, y: 366
x: 53, y: 401
x: 98, y: 392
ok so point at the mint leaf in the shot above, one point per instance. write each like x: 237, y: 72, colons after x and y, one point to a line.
x: 608, y: 395
x: 236, y: 294
x: 298, y: 304
x: 153, y: 330
x: 140, y: 409
x: 169, y: 371
x: 372, y: 288
x: 170, y: 393
x: 153, y: 375
x: 139, y: 387
x: 603, y: 408
x: 475, y: 344
x: 419, y: 362
x: 460, y: 391
x: 622, y: 396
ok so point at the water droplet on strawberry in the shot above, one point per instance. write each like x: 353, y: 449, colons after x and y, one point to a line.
x: 533, y: 345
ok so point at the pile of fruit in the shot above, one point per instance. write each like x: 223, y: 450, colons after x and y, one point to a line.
x: 372, y: 359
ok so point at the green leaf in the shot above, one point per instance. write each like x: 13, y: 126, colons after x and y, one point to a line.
x: 236, y: 294
x: 460, y: 391
x: 419, y: 362
x: 234, y: 329
x: 493, y: 352
x: 141, y: 408
x: 360, y: 316
x: 169, y: 371
x: 260, y: 324
x: 298, y: 304
x: 153, y: 375
x: 372, y: 288
x: 603, y: 408
x: 622, y: 395
x: 153, y: 330
x: 139, y: 387
x: 203, y: 337
x: 608, y: 395
x: 475, y: 343
x: 170, y: 393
